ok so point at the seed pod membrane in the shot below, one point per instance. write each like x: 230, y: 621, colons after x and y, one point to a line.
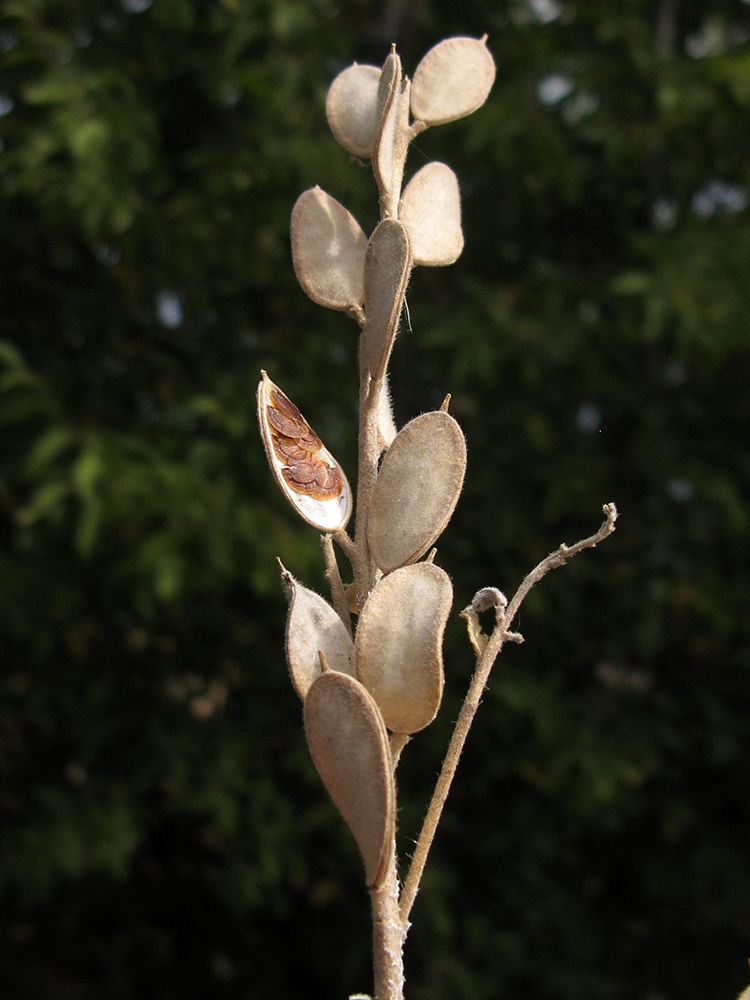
x: 452, y: 80
x: 312, y: 626
x: 387, y: 268
x: 352, y: 108
x: 349, y: 747
x: 307, y: 473
x: 416, y: 490
x: 431, y: 211
x: 328, y: 251
x: 399, y: 644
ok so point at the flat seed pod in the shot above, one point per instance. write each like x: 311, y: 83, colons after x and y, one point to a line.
x: 349, y: 747
x: 387, y: 267
x: 312, y: 626
x: 352, y: 108
x: 392, y: 139
x: 328, y: 251
x: 431, y: 211
x: 399, y: 644
x: 452, y: 80
x: 307, y: 473
x: 417, y: 489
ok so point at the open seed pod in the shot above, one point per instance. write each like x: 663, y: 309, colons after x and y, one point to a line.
x: 349, y: 747
x: 399, y: 644
x: 416, y: 490
x: 387, y: 268
x: 312, y: 627
x: 452, y: 80
x: 328, y: 251
x: 352, y: 108
x: 307, y: 473
x: 431, y: 211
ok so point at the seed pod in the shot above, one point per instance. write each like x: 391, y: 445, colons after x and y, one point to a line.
x: 328, y: 251
x: 349, y: 747
x: 387, y: 268
x: 312, y: 627
x: 352, y: 108
x: 307, y: 473
x: 399, y: 644
x: 452, y: 80
x: 392, y: 139
x: 416, y: 490
x: 431, y: 211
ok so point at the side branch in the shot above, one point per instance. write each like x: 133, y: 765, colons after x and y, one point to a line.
x: 559, y: 557
x: 333, y: 578
x: 487, y: 649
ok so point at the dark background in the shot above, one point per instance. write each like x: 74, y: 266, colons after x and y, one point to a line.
x: 162, y: 831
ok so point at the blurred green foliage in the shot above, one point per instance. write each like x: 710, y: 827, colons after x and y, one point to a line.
x: 162, y: 830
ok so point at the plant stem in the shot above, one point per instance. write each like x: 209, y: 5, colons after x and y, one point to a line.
x: 388, y: 936
x: 500, y: 634
x: 369, y: 453
x: 333, y: 578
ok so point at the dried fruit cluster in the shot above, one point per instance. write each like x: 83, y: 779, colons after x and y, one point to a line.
x: 389, y: 676
x: 365, y: 691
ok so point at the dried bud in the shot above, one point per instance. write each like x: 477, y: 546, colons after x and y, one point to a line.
x: 352, y: 109
x: 328, y: 251
x: 309, y: 476
x: 416, y: 490
x: 313, y: 627
x: 399, y: 644
x: 452, y: 80
x: 349, y: 747
x: 431, y: 211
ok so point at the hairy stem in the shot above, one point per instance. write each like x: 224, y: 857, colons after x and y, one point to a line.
x: 388, y: 936
x: 369, y: 453
x: 333, y: 579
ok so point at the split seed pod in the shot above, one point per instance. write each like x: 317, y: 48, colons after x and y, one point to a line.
x: 349, y: 747
x: 399, y: 644
x: 328, y: 251
x: 431, y: 211
x: 452, y: 80
x: 352, y: 109
x: 307, y: 473
x: 312, y: 627
x: 416, y: 490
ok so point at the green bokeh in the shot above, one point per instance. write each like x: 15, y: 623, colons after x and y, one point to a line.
x: 162, y: 832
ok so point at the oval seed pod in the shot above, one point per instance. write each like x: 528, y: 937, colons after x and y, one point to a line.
x: 431, y: 211
x: 352, y: 108
x: 399, y: 644
x: 452, y: 80
x: 307, y: 473
x: 416, y: 490
x: 349, y: 747
x: 328, y: 251
x: 387, y: 268
x: 312, y: 627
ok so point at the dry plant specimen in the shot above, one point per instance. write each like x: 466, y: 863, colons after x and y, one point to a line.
x: 367, y: 689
